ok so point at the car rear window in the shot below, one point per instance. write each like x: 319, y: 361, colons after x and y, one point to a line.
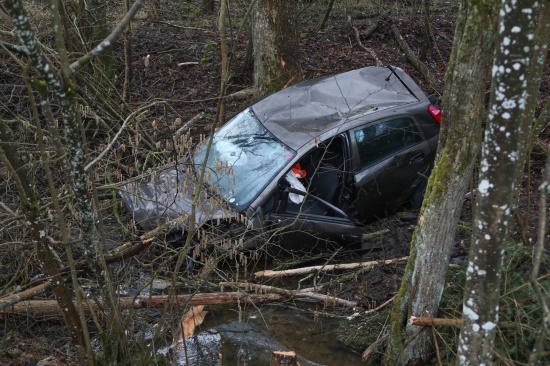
x: 381, y: 140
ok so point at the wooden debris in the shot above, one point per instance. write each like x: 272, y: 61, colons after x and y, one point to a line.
x: 45, y: 308
x: 429, y: 322
x: 445, y: 322
x: 326, y: 268
x: 327, y: 299
x: 281, y: 358
x: 191, y: 320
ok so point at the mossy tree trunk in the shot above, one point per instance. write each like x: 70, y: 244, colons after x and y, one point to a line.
x: 276, y: 46
x: 500, y: 166
x: 463, y: 115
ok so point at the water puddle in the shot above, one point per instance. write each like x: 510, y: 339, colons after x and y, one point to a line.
x: 224, y: 340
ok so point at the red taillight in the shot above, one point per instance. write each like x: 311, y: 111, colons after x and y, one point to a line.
x: 435, y: 112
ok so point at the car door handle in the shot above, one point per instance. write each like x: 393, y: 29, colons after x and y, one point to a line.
x: 417, y: 158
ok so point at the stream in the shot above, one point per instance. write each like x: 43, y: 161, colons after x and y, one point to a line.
x: 224, y: 340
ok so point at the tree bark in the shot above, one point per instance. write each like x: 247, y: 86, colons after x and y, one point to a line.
x: 276, y: 46
x: 463, y: 114
x: 499, y: 168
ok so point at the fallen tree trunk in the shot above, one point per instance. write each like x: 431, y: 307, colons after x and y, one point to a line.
x: 327, y: 299
x: 327, y: 268
x: 45, y: 308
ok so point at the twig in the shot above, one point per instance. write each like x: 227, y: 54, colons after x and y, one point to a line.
x: 181, y: 26
x: 128, y: 119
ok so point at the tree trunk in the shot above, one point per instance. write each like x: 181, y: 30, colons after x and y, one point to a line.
x: 499, y: 167
x: 463, y: 114
x: 94, y: 29
x: 276, y: 46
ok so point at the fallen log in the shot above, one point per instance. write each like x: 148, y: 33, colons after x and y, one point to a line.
x: 46, y: 308
x: 327, y: 268
x: 327, y: 299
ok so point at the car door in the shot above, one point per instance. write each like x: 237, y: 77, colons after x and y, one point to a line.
x: 318, y: 208
x: 389, y: 159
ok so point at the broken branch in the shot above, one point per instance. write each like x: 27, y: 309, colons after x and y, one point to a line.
x: 291, y: 293
x: 370, y: 51
x: 327, y: 268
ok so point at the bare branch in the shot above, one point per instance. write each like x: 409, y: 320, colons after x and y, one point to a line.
x: 107, y: 42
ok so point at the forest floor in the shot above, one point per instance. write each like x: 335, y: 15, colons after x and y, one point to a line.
x: 176, y: 58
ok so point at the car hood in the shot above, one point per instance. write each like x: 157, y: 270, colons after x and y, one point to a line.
x: 168, y: 193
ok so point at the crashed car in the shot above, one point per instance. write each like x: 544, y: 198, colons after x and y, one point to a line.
x: 324, y: 156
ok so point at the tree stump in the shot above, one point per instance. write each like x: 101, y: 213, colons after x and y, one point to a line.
x: 281, y: 358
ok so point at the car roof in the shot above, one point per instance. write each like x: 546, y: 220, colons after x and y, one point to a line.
x: 300, y: 113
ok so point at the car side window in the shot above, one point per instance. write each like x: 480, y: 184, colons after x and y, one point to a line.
x: 381, y: 140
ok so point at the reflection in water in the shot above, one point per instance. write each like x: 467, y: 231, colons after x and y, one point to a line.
x: 250, y: 343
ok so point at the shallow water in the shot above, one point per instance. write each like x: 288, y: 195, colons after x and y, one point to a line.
x: 224, y: 340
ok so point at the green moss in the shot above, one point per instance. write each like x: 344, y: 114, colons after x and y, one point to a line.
x: 362, y: 332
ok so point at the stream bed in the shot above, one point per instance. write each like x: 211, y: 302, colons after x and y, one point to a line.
x: 224, y: 340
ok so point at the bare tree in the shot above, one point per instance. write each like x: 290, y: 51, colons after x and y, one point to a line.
x: 276, y: 46
x: 500, y: 166
x: 463, y: 115
x: 58, y: 84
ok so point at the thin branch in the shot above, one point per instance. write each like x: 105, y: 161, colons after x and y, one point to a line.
x: 107, y: 42
x: 128, y: 119
x: 328, y: 268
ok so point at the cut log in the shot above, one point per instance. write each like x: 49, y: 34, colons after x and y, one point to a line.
x: 281, y: 358
x: 429, y: 322
x: 327, y: 268
x: 45, y: 308
x: 444, y: 322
